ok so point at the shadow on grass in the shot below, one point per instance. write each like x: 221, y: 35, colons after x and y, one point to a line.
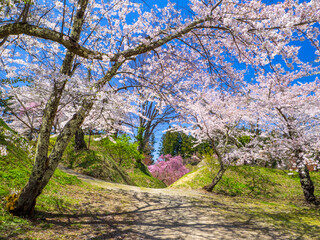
x: 155, y: 217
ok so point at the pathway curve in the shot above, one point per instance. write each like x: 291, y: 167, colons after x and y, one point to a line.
x: 177, y: 214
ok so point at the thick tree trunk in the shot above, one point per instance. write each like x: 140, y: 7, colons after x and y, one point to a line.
x: 23, y: 204
x: 216, y: 179
x: 44, y: 166
x: 307, y: 184
x: 79, y: 143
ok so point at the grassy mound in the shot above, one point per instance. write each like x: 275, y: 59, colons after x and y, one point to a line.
x: 15, y: 167
x: 249, y: 181
x: 95, y: 164
x: 111, y: 161
x: 266, y: 195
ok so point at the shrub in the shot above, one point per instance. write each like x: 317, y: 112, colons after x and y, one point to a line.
x: 168, y: 169
x: 122, y: 150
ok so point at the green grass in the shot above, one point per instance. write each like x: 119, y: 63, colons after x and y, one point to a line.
x: 15, y: 168
x: 143, y: 180
x: 268, y: 196
x: 284, y: 215
x: 95, y: 164
x: 251, y: 181
x: 105, y: 160
x: 257, y: 194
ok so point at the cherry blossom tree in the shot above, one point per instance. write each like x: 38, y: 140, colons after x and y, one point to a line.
x: 210, y: 115
x: 168, y: 168
x: 289, y: 116
x: 69, y: 41
x: 286, y: 111
x: 27, y: 103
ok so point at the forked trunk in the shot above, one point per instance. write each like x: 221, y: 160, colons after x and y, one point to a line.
x: 44, y: 167
x: 23, y: 204
x: 216, y: 179
x: 307, y: 184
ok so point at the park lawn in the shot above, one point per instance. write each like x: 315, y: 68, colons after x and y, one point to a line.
x: 264, y: 195
x: 112, y: 162
x: 269, y: 196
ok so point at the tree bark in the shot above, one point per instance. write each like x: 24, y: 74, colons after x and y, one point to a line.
x: 23, y: 204
x: 216, y: 179
x: 305, y: 180
x: 79, y: 143
x: 307, y: 185
x: 41, y: 173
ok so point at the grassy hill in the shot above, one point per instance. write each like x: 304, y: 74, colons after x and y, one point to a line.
x: 266, y: 195
x: 63, y: 198
x: 114, y: 161
x: 71, y: 209
x: 15, y: 168
x: 252, y: 181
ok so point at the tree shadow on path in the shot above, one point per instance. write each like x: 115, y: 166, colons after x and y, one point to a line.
x: 160, y: 216
x: 118, y: 211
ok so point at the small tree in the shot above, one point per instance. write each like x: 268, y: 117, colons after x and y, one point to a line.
x: 178, y: 143
x: 122, y: 150
x: 168, y: 169
x: 216, y: 117
x: 170, y: 143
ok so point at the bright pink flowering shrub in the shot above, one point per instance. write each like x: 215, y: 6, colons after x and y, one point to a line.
x: 168, y: 169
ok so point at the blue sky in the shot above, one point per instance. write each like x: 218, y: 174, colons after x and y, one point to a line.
x: 306, y: 54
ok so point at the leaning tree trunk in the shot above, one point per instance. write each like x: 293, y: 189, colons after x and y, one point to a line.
x: 79, y: 143
x: 216, y: 179
x: 305, y: 180
x: 23, y: 204
x: 222, y: 169
x: 44, y: 167
x: 307, y: 184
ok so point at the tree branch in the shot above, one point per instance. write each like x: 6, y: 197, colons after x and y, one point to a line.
x: 72, y: 45
x: 44, y: 33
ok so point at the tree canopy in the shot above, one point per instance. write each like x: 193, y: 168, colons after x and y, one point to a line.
x: 79, y: 53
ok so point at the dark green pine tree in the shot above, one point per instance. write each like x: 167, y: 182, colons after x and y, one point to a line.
x: 170, y: 143
x: 179, y: 143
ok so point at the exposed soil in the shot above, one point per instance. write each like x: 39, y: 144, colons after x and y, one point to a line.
x: 118, y: 211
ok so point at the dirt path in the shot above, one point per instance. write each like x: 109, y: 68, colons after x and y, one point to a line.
x: 173, y: 214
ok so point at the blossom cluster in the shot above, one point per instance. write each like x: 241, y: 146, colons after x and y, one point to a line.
x: 168, y: 168
x: 3, y: 150
x: 10, y: 137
